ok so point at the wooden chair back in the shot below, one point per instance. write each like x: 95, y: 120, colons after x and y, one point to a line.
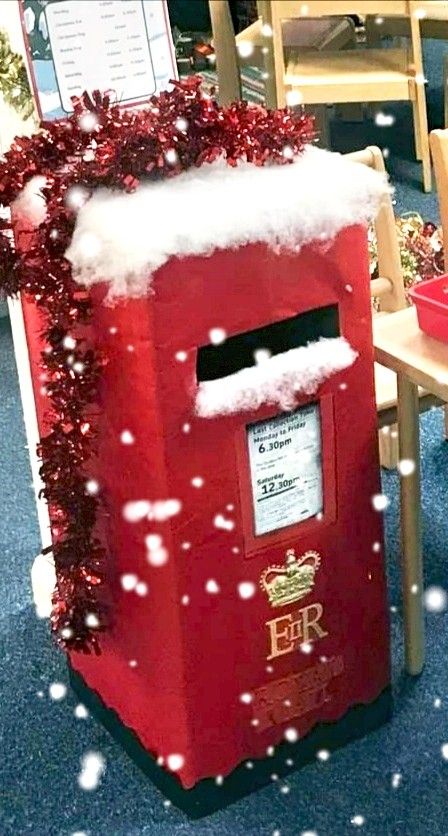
x: 438, y: 141
x: 389, y: 286
x: 280, y: 10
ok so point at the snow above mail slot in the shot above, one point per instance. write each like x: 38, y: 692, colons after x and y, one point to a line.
x: 278, y: 380
x: 124, y: 238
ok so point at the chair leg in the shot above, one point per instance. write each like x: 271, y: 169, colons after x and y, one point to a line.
x: 422, y: 121
x: 417, y: 140
x: 445, y: 90
x: 388, y: 447
x: 411, y: 544
x: 445, y: 421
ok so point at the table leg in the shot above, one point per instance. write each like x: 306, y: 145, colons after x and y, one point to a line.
x: 411, y: 543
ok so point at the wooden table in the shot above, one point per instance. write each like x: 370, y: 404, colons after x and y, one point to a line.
x: 418, y: 360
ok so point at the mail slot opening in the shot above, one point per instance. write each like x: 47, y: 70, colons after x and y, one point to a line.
x: 239, y: 352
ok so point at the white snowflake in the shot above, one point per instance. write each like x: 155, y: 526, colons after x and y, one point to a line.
x: 92, y: 620
x: 245, y: 48
x: 181, y: 124
x: 246, y: 698
x: 88, y: 121
x: 246, y: 589
x: 76, y: 196
x: 129, y: 581
x: 57, y: 690
x: 396, y: 780
x: 220, y: 521
x: 175, y: 762
x: 81, y: 712
x: 93, y: 766
x: 380, y: 501
x: 435, y: 599
x: 127, y: 437
x: 141, y: 589
x: 384, y: 120
x: 217, y: 335
x: 357, y: 820
x: 406, y: 467
x: 156, y: 554
x: 291, y: 735
x: 212, y: 586
x: 92, y: 487
x: 171, y: 156
x: 197, y: 481
x: 323, y: 755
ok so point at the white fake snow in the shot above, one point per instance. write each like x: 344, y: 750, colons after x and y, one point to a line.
x: 276, y: 381
x: 30, y: 204
x: 127, y: 237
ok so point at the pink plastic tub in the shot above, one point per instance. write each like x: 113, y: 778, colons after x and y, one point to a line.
x: 431, y: 300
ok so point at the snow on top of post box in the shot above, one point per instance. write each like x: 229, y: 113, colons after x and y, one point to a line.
x: 125, y: 238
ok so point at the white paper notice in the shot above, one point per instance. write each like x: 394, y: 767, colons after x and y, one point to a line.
x: 105, y: 45
x: 286, y: 469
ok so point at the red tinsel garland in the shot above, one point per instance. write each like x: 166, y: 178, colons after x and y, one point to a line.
x: 103, y: 145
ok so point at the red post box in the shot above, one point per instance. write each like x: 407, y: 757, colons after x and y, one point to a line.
x: 237, y: 455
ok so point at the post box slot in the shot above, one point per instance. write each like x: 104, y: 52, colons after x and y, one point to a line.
x: 238, y: 352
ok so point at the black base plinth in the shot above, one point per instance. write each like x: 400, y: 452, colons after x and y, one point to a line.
x: 207, y: 796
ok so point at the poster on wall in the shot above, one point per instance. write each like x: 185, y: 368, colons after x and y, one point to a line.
x: 121, y: 47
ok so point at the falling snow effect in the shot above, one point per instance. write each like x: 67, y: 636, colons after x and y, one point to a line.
x: 435, y: 599
x: 220, y: 521
x: 246, y: 590
x: 57, y: 691
x: 380, y: 502
x: 93, y: 767
x: 212, y: 587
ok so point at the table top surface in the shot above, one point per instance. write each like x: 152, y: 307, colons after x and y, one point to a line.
x: 400, y: 345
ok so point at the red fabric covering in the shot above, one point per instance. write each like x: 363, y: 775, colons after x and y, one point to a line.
x: 195, y: 660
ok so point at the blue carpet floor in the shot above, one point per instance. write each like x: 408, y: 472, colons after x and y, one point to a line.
x: 43, y: 740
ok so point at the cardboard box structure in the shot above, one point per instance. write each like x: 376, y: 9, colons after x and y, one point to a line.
x: 237, y: 454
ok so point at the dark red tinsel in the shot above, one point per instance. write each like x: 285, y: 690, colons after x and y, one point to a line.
x: 104, y: 145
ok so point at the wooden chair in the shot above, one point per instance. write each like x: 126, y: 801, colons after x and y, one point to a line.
x: 438, y: 141
x: 249, y: 48
x: 433, y: 24
x: 361, y: 75
x: 389, y: 290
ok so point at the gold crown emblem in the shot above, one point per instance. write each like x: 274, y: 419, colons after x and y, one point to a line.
x: 288, y: 583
